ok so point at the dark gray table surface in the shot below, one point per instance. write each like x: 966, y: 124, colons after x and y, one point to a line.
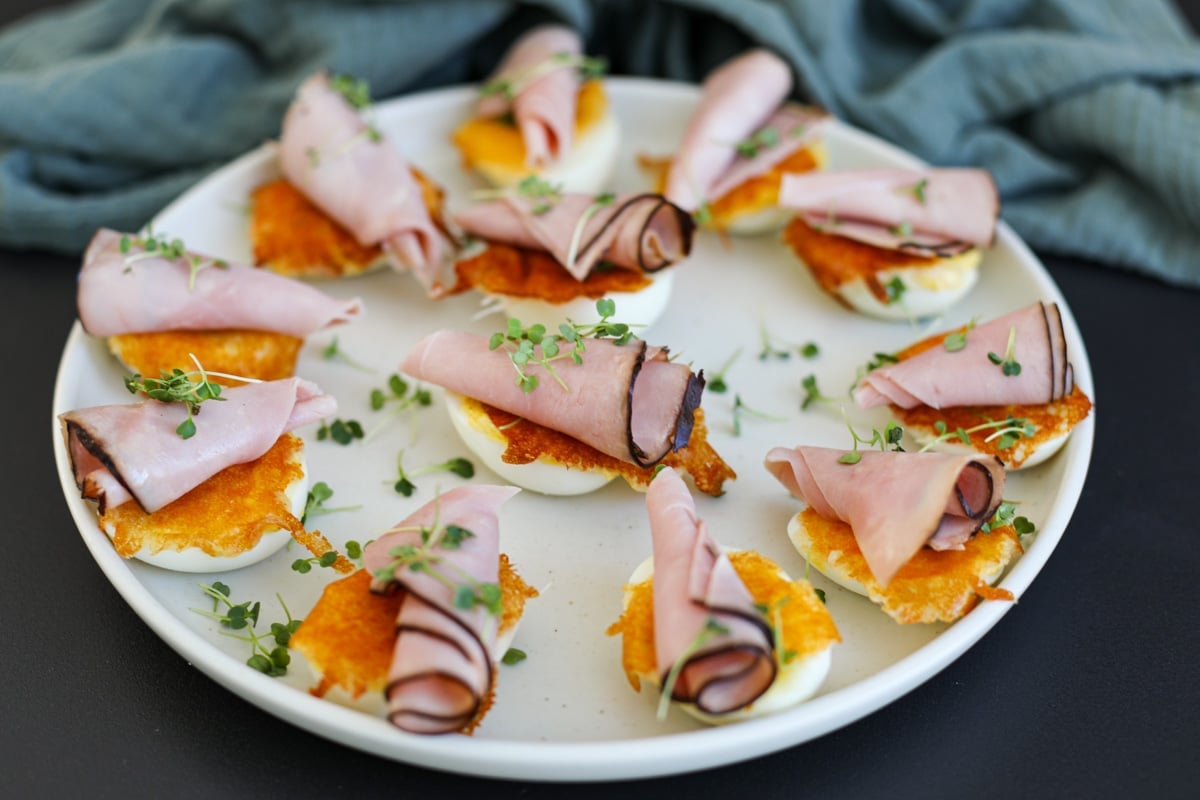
x: 1089, y: 687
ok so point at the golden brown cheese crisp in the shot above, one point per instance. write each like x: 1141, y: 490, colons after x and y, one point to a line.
x: 224, y: 516
x: 934, y: 586
x: 803, y: 624
x: 292, y: 236
x: 527, y: 442
x: 263, y: 355
x: 519, y: 272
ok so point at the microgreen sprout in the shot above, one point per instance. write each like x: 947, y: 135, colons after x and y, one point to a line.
x: 774, y: 347
x: 271, y: 661
x: 513, y: 656
x: 740, y: 408
x: 305, y: 565
x: 190, y: 388
x: 902, y: 229
x: 1006, y: 514
x: 774, y: 614
x: 315, y: 503
x: 357, y: 92
x: 531, y: 187
x: 895, y: 289
x: 468, y: 592
x: 812, y: 394
x: 334, y: 352
x: 341, y: 431
x: 404, y: 397
x: 820, y: 595
x: 761, y: 139
x: 703, y: 214
x: 958, y: 340
x: 159, y: 246
x: 511, y: 84
x: 1007, y: 431
x: 717, y: 382
x: 404, y: 485
x: 1009, y: 364
x: 917, y: 190
x: 889, y: 439
x: 712, y: 627
x: 600, y: 201
x: 534, y: 345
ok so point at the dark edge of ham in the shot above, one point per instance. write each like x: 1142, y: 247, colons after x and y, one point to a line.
x: 81, y: 434
x: 452, y: 723
x: 687, y: 228
x: 697, y: 698
x: 449, y: 723
x: 684, y: 421
x: 991, y: 490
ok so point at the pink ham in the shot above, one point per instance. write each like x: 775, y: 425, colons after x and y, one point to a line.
x: 125, y: 451
x: 697, y: 592
x: 939, y: 378
x: 543, y: 107
x: 357, y: 176
x: 627, y: 401
x: 895, y: 503
x: 795, y: 127
x: 925, y: 210
x: 444, y: 661
x: 135, y: 292
x: 643, y: 231
x: 736, y: 100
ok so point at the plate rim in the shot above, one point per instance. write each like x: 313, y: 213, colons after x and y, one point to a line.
x: 605, y: 760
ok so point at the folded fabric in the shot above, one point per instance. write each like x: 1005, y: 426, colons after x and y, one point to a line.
x: 1085, y: 113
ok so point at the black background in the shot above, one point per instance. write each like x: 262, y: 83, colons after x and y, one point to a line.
x: 1088, y: 687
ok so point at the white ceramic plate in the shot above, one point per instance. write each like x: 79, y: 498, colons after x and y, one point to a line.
x: 567, y: 713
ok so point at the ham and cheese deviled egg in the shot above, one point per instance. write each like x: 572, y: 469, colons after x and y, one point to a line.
x: 917, y: 533
x: 740, y: 142
x: 551, y: 255
x: 894, y: 244
x: 160, y: 305
x: 560, y: 427
x: 348, y: 201
x: 216, y: 494
x: 725, y: 635
x: 422, y: 645
x: 543, y: 113
x: 1004, y: 388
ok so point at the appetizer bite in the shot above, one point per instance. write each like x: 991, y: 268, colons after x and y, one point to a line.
x: 894, y: 244
x: 544, y: 112
x: 425, y: 623
x: 348, y: 201
x: 550, y: 256
x: 199, y: 493
x: 923, y: 535
x: 739, y: 143
x: 1005, y: 388
x: 159, y: 305
x: 581, y: 410
x: 726, y: 635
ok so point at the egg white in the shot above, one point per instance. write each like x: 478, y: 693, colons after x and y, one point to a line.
x: 542, y: 476
x: 771, y: 218
x: 929, y: 290
x: 794, y: 682
x: 639, y: 309
x: 587, y: 168
x: 193, y: 559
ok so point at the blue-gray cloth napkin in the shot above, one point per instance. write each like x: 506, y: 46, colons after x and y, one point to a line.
x: 1087, y: 112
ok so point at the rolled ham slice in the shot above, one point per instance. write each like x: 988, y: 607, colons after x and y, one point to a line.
x: 544, y: 107
x: 735, y: 101
x: 134, y: 292
x: 895, y: 503
x: 696, y: 588
x: 643, y: 231
x: 939, y: 378
x: 627, y: 401
x: 444, y: 661
x: 941, y: 211
x: 131, y: 450
x: 356, y: 175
